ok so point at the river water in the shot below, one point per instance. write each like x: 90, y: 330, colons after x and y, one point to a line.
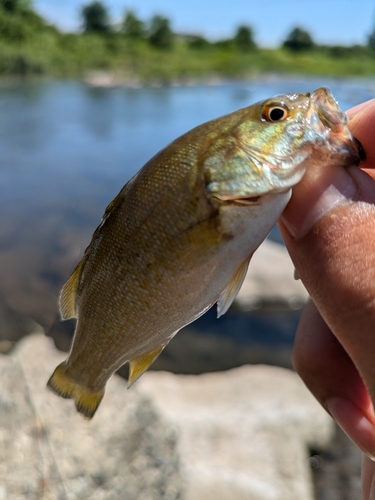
x: 66, y: 149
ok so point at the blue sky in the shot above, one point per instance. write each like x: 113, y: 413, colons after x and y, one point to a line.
x: 342, y: 22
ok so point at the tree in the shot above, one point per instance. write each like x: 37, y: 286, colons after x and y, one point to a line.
x: 371, y: 40
x: 95, y: 17
x: 14, y: 5
x: 298, y: 40
x: 132, y: 26
x: 160, y: 33
x: 243, y: 38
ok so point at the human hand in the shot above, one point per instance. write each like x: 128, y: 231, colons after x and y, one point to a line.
x: 329, y: 230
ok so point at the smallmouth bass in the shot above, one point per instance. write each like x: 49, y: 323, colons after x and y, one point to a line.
x: 179, y: 236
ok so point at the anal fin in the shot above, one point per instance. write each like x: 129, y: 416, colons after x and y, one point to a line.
x: 229, y: 293
x: 139, y: 364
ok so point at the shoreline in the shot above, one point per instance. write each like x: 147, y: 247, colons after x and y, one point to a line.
x: 109, y: 79
x: 106, y: 79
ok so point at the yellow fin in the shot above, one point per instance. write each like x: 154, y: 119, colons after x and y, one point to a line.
x: 67, y: 299
x: 229, y: 293
x: 86, y: 400
x: 139, y: 364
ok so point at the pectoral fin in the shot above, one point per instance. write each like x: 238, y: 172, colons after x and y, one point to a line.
x: 139, y: 364
x: 229, y: 293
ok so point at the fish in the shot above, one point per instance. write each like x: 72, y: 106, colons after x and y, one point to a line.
x: 179, y: 236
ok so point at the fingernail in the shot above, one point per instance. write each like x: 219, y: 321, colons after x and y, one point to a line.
x: 335, y: 190
x: 354, y: 423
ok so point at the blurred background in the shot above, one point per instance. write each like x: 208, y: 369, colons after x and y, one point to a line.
x: 90, y: 91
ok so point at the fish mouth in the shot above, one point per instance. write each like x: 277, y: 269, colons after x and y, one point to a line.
x: 330, y: 124
x: 361, y: 151
x: 250, y: 200
x: 328, y: 110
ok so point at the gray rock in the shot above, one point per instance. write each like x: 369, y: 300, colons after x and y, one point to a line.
x: 241, y: 434
x: 245, y: 433
x: 47, y: 451
x: 270, y: 280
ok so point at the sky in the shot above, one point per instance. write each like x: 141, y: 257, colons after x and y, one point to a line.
x: 343, y: 22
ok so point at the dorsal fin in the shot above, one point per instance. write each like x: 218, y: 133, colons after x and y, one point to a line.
x: 139, y: 364
x: 229, y: 293
x: 67, y: 299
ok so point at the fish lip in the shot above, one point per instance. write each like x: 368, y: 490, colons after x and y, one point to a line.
x: 353, y: 151
x: 325, y: 111
x: 241, y: 200
x: 329, y: 123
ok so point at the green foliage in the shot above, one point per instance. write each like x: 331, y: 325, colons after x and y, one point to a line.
x: 21, y: 25
x: 15, y: 5
x: 95, y: 17
x: 298, y: 40
x: 198, y: 42
x: 29, y: 46
x: 133, y: 27
x: 160, y: 34
x: 371, y: 40
x: 224, y: 44
x: 343, y: 52
x: 243, y: 38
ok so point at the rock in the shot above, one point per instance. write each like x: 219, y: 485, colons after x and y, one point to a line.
x: 241, y: 434
x: 270, y: 280
x: 106, y: 79
x: 244, y: 434
x: 337, y: 470
x: 128, y: 451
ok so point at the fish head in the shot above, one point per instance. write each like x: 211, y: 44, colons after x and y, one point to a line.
x: 273, y: 142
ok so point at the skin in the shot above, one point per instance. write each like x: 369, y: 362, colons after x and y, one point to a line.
x: 328, y: 228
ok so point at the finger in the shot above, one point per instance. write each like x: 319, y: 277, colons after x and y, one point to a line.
x: 334, y: 253
x: 331, y: 376
x: 323, y: 364
x: 328, y: 228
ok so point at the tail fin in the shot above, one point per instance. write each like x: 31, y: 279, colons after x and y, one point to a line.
x: 86, y: 400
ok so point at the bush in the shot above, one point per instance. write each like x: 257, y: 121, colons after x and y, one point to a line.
x: 198, y: 42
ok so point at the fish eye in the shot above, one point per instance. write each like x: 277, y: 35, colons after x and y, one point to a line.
x: 274, y: 113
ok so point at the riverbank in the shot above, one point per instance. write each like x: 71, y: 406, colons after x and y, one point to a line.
x: 76, y: 56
